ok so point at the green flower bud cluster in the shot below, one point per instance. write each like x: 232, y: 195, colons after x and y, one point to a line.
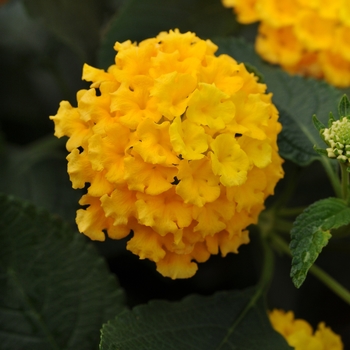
x: 338, y: 138
x: 337, y: 135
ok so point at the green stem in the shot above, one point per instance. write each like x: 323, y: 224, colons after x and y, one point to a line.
x: 289, y: 189
x: 47, y: 144
x: 344, y: 180
x: 333, y: 177
x: 283, y: 225
x: 323, y: 276
x: 261, y: 287
x: 329, y: 281
x: 291, y: 212
x: 269, y: 221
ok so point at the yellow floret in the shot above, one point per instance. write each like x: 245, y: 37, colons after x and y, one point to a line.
x: 167, y: 149
x: 299, y: 333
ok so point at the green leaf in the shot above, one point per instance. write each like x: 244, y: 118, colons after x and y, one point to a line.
x: 296, y: 98
x: 252, y: 69
x: 321, y: 151
x: 331, y: 119
x: 226, y: 320
x: 344, y: 107
x: 76, y: 23
x: 38, y: 173
x: 311, y: 232
x: 138, y: 20
x: 318, y: 125
x: 56, y: 290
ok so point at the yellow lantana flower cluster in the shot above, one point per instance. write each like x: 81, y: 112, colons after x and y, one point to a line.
x: 300, y: 335
x: 177, y: 145
x: 309, y: 37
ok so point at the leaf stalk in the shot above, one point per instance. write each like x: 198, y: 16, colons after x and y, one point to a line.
x: 324, y: 277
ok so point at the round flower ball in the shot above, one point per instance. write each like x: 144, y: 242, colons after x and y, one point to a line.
x: 300, y: 335
x: 175, y: 146
x: 308, y: 37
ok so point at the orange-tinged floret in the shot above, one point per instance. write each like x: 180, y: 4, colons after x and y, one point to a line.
x: 167, y: 148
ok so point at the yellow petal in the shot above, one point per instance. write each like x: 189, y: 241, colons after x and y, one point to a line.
x: 146, y: 177
x: 146, y: 244
x: 209, y: 106
x: 177, y: 266
x: 108, y: 151
x: 251, y: 192
x: 230, y: 244
x: 165, y: 213
x: 222, y: 72
x: 259, y: 152
x: 133, y: 102
x: 68, y: 122
x: 315, y: 32
x: 252, y: 113
x: 229, y: 161
x: 91, y: 221
x: 213, y: 217
x: 188, y: 139
x: 154, y: 143
x: 278, y: 13
x: 198, y: 184
x: 119, y: 205
x: 96, y: 76
x: 172, y: 92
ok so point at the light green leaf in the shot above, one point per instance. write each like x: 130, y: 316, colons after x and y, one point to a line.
x: 296, y: 98
x: 311, y: 232
x: 55, y: 289
x: 138, y: 20
x: 76, y: 23
x: 344, y: 107
x: 226, y: 320
x: 331, y: 119
x: 318, y: 125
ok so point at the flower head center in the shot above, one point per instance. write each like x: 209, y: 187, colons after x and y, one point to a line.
x: 338, y: 138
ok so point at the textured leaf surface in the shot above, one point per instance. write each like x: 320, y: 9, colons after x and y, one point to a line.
x: 195, y: 323
x: 55, y: 290
x: 311, y: 232
x: 40, y: 176
x: 139, y: 20
x: 296, y: 98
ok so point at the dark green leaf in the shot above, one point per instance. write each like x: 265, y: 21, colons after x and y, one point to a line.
x: 344, y: 107
x: 139, y: 20
x: 55, y: 290
x: 311, y: 232
x: 296, y: 98
x: 76, y: 23
x: 226, y: 320
x: 39, y: 174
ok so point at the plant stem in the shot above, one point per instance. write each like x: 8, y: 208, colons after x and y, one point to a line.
x: 47, y: 144
x: 323, y: 276
x: 290, y: 212
x: 344, y: 180
x: 331, y: 283
x: 288, y: 190
x: 261, y: 288
x: 333, y: 177
x: 283, y: 225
